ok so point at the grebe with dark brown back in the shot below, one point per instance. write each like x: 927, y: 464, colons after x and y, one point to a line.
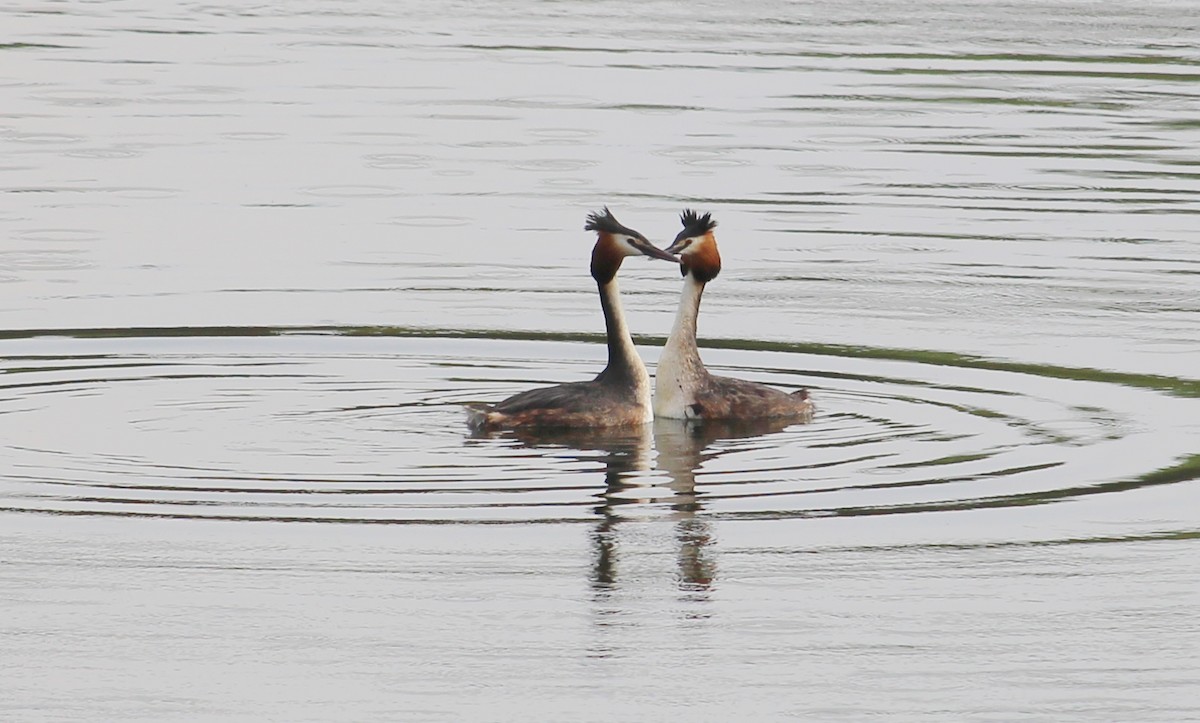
x: 683, y: 387
x: 620, y: 395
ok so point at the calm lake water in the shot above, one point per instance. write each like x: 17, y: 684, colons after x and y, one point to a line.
x: 254, y: 259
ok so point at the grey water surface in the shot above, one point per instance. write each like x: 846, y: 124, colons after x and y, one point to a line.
x: 254, y: 258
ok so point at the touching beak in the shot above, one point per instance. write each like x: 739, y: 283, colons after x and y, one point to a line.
x: 677, y: 245
x: 653, y: 251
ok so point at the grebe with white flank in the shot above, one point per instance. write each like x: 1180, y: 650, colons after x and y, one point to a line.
x: 683, y: 388
x: 620, y: 395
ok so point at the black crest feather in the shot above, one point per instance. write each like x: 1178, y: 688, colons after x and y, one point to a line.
x: 694, y: 224
x: 607, y: 223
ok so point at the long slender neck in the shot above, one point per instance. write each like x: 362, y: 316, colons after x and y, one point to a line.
x: 683, y: 334
x: 623, y: 360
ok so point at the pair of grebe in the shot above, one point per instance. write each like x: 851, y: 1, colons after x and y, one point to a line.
x: 620, y: 396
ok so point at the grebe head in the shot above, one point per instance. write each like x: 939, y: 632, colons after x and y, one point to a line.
x: 616, y: 241
x: 697, y: 247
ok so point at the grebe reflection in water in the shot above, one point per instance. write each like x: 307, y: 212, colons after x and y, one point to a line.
x: 684, y: 389
x: 643, y: 474
x: 620, y: 395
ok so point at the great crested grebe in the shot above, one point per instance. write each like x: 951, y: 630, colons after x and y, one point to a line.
x: 683, y: 388
x: 620, y: 395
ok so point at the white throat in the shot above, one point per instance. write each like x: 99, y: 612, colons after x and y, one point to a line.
x: 680, y: 370
x: 623, y: 358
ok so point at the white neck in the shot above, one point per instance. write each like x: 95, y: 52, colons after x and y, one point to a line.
x: 683, y: 333
x: 680, y: 369
x: 625, y: 368
x: 620, y: 343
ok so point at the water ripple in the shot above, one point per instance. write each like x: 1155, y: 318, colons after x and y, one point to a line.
x: 256, y: 425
